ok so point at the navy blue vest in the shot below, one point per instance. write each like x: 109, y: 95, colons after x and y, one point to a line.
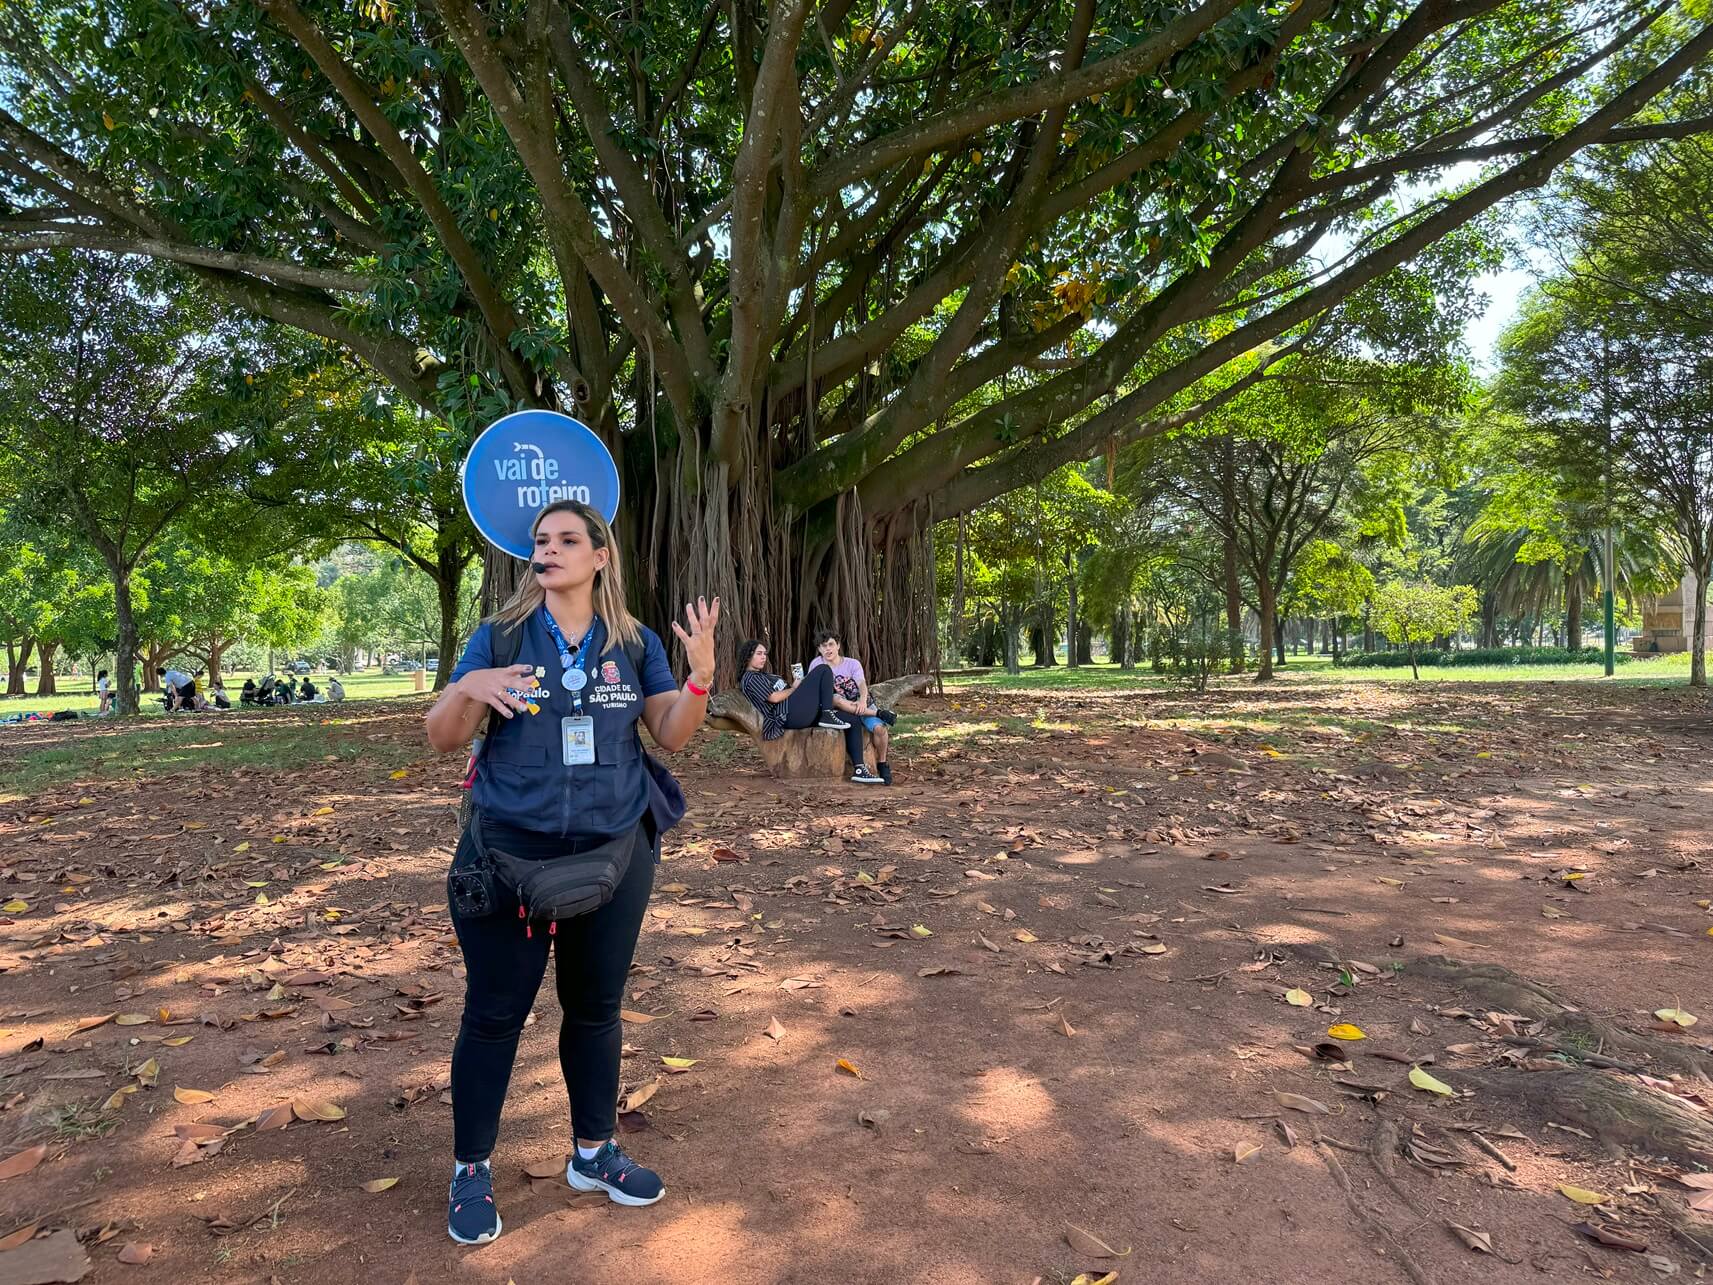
x: 522, y: 778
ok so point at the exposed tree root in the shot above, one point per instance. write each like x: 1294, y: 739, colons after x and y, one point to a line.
x: 1378, y: 1229
x: 1619, y: 1111
x: 1572, y: 1031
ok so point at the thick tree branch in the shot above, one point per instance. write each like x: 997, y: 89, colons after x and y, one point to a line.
x: 497, y: 312
x: 1054, y: 91
x: 749, y: 267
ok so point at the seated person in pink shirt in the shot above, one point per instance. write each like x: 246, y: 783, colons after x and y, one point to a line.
x: 850, y: 694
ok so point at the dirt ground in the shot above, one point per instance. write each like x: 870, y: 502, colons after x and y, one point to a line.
x: 1026, y: 1006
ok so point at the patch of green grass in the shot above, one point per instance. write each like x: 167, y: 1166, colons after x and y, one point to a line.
x: 140, y: 749
x: 1656, y: 671
x: 720, y: 748
x: 78, y: 1123
x: 79, y: 693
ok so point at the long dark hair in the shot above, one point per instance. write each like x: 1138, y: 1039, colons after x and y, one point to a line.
x: 746, y: 650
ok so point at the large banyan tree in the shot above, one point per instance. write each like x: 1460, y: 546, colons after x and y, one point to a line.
x: 822, y: 274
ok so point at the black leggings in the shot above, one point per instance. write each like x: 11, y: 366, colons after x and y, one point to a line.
x: 591, y: 960
x: 814, y: 694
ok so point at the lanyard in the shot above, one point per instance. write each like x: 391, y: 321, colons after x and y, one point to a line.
x: 569, y: 661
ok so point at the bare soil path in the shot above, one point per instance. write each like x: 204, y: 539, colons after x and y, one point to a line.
x: 1029, y: 1002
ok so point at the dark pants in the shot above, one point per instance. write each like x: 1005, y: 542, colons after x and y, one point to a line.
x: 505, y: 965
x: 814, y: 694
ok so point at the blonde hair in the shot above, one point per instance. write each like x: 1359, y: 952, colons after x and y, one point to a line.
x: 609, y: 589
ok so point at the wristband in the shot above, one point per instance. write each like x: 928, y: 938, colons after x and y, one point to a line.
x: 694, y: 690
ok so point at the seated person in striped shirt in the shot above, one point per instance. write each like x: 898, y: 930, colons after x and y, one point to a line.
x: 798, y: 704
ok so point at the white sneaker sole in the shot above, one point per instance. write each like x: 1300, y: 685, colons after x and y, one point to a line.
x: 618, y: 1197
x: 499, y: 1226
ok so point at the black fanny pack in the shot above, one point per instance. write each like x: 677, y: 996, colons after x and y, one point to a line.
x: 552, y: 889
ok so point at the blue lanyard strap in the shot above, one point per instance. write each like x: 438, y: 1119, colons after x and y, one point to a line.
x: 568, y: 659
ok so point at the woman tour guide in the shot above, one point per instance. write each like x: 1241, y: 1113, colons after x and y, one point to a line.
x: 563, y: 837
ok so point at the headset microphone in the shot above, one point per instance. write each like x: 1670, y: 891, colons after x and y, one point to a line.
x: 540, y: 568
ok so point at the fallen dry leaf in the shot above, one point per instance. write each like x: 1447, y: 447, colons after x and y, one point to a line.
x: 1065, y: 1028
x: 1613, y: 1237
x: 1481, y: 1242
x: 849, y: 1068
x: 275, y: 1117
x: 1297, y: 1102
x: 192, y: 1097
x: 638, y: 1096
x: 631, y: 1016
x: 1244, y: 1151
x: 135, y: 1253
x: 1087, y: 1278
x: 1298, y: 998
x: 376, y: 1185
x: 678, y: 1063
x: 545, y: 1169
x: 1345, y: 1031
x: 775, y: 1031
x: 132, y: 1019
x: 22, y: 1236
x: 1581, y: 1195
x: 315, y: 1109
x: 90, y: 1023
x: 1086, y: 1242
x: 1676, y: 1016
x: 22, y: 1162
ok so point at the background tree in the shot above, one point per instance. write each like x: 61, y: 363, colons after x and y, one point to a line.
x: 1616, y: 364
x: 354, y: 464
x: 118, y: 411
x: 1413, y: 615
x: 820, y: 279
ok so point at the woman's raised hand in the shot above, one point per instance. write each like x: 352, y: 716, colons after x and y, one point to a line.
x: 699, y: 641
x: 489, y: 687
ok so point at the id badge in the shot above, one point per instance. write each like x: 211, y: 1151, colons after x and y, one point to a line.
x: 577, y: 737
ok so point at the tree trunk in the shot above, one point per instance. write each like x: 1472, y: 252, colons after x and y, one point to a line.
x: 1335, y: 635
x: 154, y: 657
x: 1279, y: 639
x: 1122, y: 640
x: 1490, y: 618
x: 45, y: 677
x: 1308, y: 628
x: 1264, y: 667
x: 958, y: 588
x: 216, y: 650
x: 446, y: 590
x: 1573, y: 611
x: 1415, y: 671
x: 1008, y: 628
x: 125, y: 650
x: 1698, y: 639
x: 1042, y: 640
x: 1233, y: 587
x: 16, y: 663
x: 1071, y: 621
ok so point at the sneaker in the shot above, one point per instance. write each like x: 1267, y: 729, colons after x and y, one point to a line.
x: 612, y: 1171
x: 831, y: 720
x: 863, y: 775
x: 471, y: 1218
x: 885, y: 770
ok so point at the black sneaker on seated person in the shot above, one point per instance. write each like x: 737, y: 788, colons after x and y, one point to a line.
x: 863, y: 776
x: 831, y: 720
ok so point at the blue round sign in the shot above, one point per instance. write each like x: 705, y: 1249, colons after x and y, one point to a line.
x: 526, y: 460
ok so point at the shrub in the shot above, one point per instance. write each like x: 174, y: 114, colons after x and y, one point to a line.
x: 1495, y: 656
